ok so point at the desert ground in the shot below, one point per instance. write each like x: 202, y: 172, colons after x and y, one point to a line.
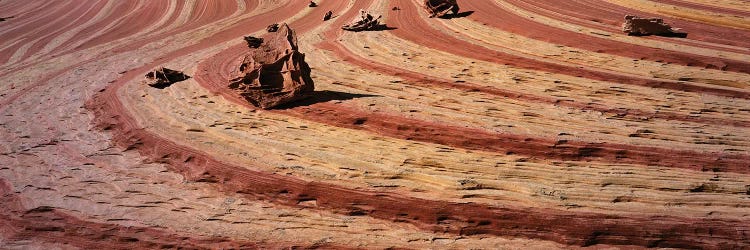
x: 518, y: 124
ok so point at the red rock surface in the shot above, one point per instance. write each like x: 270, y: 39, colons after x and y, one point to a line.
x: 517, y: 124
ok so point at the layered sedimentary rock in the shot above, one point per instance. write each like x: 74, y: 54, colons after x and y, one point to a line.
x: 441, y: 8
x: 275, y: 73
x: 546, y: 128
x: 637, y: 26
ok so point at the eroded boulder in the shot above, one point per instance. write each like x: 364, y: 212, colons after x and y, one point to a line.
x: 441, y: 8
x: 366, y: 21
x: 328, y: 16
x: 637, y: 26
x: 275, y: 73
x: 164, y: 77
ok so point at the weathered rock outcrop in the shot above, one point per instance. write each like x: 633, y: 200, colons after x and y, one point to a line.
x: 441, y: 8
x: 366, y: 21
x: 637, y: 26
x: 275, y: 73
x: 164, y: 77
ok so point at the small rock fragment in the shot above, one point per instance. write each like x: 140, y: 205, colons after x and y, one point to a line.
x: 313, y: 4
x: 637, y: 26
x: 366, y: 21
x: 441, y: 8
x: 328, y: 16
x: 164, y: 77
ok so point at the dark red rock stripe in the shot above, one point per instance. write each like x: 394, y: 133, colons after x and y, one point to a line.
x: 342, y: 52
x: 242, y: 27
x: 614, y: 24
x: 612, y: 15
x: 409, y: 25
x: 214, y: 72
x: 513, y: 23
x: 575, y: 228
x: 426, y: 81
x: 86, y: 13
x: 41, y: 22
x: 127, y: 25
x: 51, y: 225
x: 706, y: 7
x: 463, y: 218
x: 541, y: 148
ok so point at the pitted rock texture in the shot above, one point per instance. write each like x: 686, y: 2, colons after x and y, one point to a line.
x: 275, y: 73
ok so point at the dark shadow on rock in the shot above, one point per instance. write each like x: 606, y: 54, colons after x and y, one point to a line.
x: 458, y: 15
x: 167, y: 84
x: 674, y: 34
x: 322, y: 96
x: 381, y: 28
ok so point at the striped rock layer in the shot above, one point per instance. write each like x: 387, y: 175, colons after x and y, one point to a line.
x: 513, y: 124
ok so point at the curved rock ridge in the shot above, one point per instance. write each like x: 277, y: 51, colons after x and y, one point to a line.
x: 510, y: 124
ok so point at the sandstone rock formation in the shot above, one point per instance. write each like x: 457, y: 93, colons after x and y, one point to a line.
x: 441, y: 8
x: 275, y: 73
x: 637, y: 26
x: 366, y: 21
x: 424, y: 138
x: 164, y: 77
